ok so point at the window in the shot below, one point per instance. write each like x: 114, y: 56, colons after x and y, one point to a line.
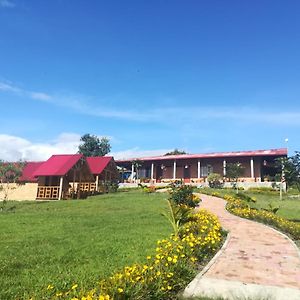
x: 206, y: 170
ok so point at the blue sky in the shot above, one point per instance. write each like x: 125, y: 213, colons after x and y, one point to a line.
x: 203, y: 76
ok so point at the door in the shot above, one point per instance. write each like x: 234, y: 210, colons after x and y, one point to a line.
x: 186, y: 174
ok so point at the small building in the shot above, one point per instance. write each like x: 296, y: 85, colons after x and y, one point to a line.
x: 104, y: 170
x: 258, y: 166
x: 59, y: 175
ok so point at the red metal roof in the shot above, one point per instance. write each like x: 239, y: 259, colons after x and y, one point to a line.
x: 98, y: 163
x: 271, y: 152
x: 58, y: 165
x: 28, y: 172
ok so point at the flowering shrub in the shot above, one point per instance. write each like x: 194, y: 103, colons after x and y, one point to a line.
x: 165, y: 273
x: 183, y: 194
x: 242, y: 209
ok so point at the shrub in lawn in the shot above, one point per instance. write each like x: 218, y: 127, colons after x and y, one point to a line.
x: 183, y: 194
x: 165, y: 273
x: 244, y: 197
x: 177, y: 215
x: 215, y: 180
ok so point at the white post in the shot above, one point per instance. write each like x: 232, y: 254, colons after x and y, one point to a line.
x: 199, y: 169
x: 224, y: 168
x: 174, y: 170
x: 252, y: 167
x: 152, y: 171
x: 97, y: 183
x: 60, y: 187
x: 132, y: 170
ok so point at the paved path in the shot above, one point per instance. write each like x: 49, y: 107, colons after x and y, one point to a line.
x: 255, y: 255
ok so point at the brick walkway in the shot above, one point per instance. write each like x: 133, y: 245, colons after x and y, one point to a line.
x: 255, y: 253
x: 256, y: 262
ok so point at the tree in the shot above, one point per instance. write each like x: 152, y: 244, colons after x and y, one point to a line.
x: 215, y: 180
x: 290, y: 167
x: 93, y: 146
x: 233, y: 172
x: 9, y: 173
x: 136, y: 165
x: 175, y: 152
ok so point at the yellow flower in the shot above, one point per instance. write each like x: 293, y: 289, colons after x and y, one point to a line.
x: 74, y: 286
x: 50, y: 287
x: 120, y: 290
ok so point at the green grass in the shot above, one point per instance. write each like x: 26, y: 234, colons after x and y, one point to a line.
x: 80, y: 241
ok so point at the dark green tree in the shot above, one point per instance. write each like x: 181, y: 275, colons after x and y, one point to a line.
x: 93, y: 146
x: 175, y: 152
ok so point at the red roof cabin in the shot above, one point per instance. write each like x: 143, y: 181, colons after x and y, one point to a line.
x: 104, y: 170
x: 59, y: 176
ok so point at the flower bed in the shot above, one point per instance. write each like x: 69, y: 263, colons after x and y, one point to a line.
x: 165, y: 273
x: 241, y: 208
x: 238, y: 205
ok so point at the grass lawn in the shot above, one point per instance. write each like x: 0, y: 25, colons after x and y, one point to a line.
x: 63, y: 242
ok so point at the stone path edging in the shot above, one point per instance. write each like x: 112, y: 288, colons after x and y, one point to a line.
x: 214, y: 259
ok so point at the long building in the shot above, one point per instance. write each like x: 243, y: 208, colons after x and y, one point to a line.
x: 258, y: 166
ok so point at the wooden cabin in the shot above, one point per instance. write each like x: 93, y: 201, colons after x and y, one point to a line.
x: 60, y: 177
x: 104, y: 170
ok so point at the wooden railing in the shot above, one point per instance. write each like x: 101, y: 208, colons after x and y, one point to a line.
x: 87, y: 186
x: 47, y: 192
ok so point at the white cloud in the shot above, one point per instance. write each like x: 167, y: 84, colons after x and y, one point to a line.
x: 14, y: 148
x: 40, y: 96
x: 137, y: 153
x: 165, y: 115
x: 6, y: 87
x: 7, y: 4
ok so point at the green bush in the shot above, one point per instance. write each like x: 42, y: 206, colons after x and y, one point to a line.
x: 183, y: 195
x: 244, y: 197
x: 215, y: 180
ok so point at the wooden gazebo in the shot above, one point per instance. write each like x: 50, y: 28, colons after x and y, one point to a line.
x: 61, y: 175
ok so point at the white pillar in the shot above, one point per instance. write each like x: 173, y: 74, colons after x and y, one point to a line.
x: 60, y: 187
x: 97, y: 183
x: 252, y: 167
x: 152, y: 171
x: 199, y: 169
x: 224, y: 167
x: 174, y: 170
x: 132, y: 170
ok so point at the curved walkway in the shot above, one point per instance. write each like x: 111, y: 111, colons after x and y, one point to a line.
x: 257, y: 261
